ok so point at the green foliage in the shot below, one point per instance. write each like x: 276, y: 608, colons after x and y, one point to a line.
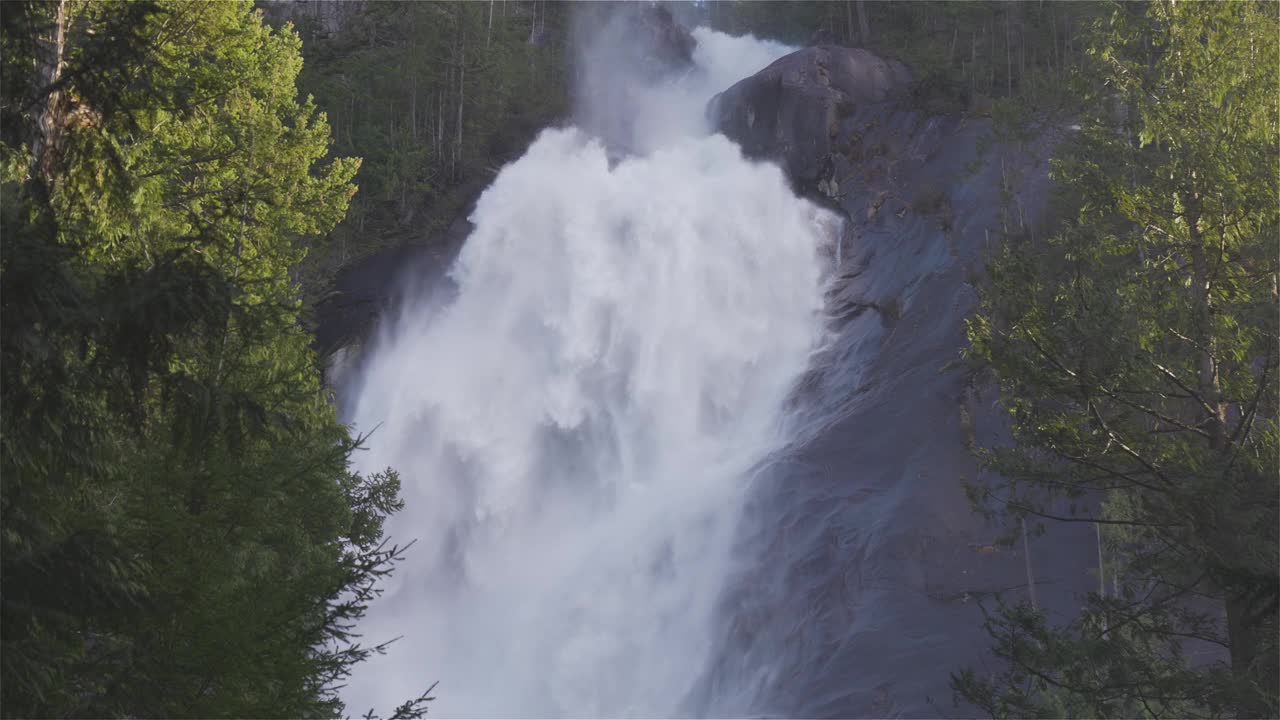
x: 1109, y: 663
x: 182, y: 535
x: 1137, y: 355
x: 435, y: 96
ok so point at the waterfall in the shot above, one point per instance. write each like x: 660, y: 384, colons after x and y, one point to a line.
x: 576, y: 427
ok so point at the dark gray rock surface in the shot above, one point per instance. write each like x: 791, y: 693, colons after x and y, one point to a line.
x: 366, y: 290
x: 791, y: 112
x: 865, y: 565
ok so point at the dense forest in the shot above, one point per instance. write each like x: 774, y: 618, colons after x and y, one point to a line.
x: 181, y: 530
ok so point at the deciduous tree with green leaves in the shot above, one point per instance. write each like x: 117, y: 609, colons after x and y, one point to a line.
x: 1136, y: 352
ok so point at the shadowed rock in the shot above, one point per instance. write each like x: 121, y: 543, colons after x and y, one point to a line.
x: 790, y: 112
x: 863, y: 566
x: 366, y: 290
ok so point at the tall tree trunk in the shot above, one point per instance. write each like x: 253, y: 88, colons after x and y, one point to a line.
x: 1102, y: 579
x: 413, y: 78
x: 462, y: 90
x: 973, y: 61
x: 1242, y: 626
x: 1254, y: 671
x: 462, y: 94
x: 52, y: 108
x: 1066, y: 37
x: 991, y: 51
x: 1208, y: 380
x: 951, y: 54
x: 1102, y: 575
x: 1031, y: 577
x: 1054, y: 59
x: 864, y: 29
x: 1022, y: 54
x: 413, y: 106
x: 848, y: 22
x: 1008, y: 51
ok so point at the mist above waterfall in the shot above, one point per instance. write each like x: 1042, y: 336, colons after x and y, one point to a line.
x: 577, y: 426
x: 641, y: 83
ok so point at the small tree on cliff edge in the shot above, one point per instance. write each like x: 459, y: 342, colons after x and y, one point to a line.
x: 1137, y: 356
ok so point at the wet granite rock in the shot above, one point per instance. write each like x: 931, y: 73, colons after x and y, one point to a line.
x: 863, y: 567
x: 790, y: 112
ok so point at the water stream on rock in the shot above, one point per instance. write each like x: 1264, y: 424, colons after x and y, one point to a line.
x: 577, y: 425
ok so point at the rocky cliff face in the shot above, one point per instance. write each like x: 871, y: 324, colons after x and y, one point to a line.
x: 868, y: 566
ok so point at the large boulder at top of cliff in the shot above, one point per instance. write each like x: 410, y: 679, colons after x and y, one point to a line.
x: 790, y: 112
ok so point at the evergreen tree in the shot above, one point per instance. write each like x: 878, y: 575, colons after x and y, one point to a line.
x: 182, y: 534
x: 1137, y: 355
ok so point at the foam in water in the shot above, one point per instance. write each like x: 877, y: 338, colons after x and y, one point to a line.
x: 575, y: 429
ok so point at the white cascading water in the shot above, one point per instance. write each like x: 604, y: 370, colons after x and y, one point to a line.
x: 576, y: 428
